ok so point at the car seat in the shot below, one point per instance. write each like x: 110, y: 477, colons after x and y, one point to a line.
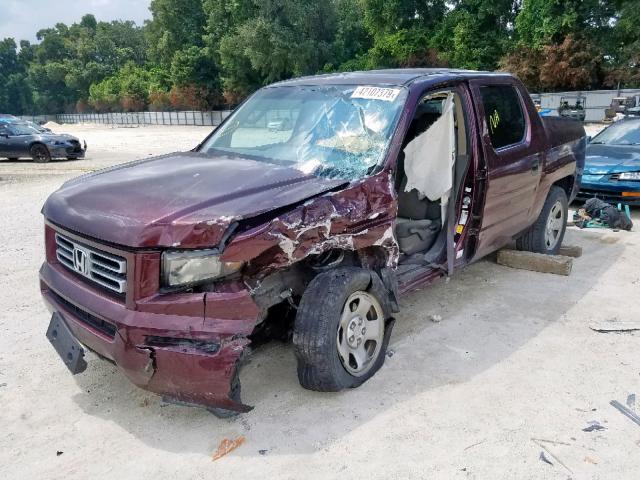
x: 418, y: 221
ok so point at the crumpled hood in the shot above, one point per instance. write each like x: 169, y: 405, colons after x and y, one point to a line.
x: 606, y: 159
x: 183, y: 200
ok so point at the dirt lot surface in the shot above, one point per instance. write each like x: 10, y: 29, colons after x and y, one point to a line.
x: 512, y: 360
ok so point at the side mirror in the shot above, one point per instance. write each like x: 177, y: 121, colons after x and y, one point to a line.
x: 588, y: 138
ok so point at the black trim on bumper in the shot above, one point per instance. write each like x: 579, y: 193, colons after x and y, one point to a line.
x: 88, y: 319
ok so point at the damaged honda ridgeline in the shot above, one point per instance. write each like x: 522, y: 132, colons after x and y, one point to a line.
x: 308, y: 212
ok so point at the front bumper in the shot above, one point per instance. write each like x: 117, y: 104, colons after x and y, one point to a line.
x: 611, y: 191
x: 68, y: 151
x: 191, y: 358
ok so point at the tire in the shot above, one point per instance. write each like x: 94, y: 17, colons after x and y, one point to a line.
x: 546, y: 234
x: 40, y: 153
x: 325, y: 315
x: 13, y: 159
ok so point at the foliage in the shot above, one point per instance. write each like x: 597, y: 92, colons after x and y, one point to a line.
x: 176, y: 24
x: 283, y: 38
x: 15, y: 92
x: 204, y: 53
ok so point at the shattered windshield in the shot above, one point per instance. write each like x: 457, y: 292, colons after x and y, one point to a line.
x: 331, y: 131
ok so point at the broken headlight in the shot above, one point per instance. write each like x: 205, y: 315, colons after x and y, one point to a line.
x: 629, y: 176
x: 193, y: 267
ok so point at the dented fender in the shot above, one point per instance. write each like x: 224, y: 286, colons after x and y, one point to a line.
x: 359, y: 216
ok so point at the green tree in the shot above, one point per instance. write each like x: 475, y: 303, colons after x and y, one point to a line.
x: 284, y: 38
x: 176, y: 24
x: 542, y: 22
x: 15, y: 91
x: 193, y: 51
x: 623, y: 59
x: 127, y: 90
x: 351, y: 40
x: 194, y: 66
x: 401, y: 30
x: 475, y: 34
x: 223, y: 17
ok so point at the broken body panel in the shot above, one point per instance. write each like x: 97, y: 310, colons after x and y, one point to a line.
x: 187, y: 344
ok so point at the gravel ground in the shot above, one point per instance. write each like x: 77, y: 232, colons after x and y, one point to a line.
x: 512, y: 360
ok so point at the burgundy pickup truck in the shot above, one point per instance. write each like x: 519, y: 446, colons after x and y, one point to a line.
x: 306, y: 216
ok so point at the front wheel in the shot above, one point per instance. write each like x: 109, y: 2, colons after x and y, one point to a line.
x: 40, y: 153
x: 341, y: 329
x: 546, y: 234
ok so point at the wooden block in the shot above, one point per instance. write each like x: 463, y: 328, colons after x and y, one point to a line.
x: 537, y: 262
x: 574, y: 251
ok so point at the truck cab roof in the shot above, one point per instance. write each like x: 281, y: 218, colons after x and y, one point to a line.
x: 391, y: 76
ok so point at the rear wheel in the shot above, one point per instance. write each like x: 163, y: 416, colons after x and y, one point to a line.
x: 546, y: 235
x: 40, y: 153
x: 341, y: 329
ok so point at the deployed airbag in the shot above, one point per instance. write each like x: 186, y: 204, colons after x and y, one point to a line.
x: 430, y: 158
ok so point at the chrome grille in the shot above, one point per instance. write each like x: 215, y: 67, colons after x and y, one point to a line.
x: 108, y: 271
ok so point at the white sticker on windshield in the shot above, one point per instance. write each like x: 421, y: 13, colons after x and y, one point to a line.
x: 376, y: 93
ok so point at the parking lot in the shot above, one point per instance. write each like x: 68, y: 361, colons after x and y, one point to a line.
x: 510, y: 375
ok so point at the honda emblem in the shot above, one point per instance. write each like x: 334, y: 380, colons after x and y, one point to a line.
x: 81, y: 260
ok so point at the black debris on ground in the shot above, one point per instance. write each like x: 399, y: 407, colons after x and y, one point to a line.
x: 594, y: 426
x: 544, y: 458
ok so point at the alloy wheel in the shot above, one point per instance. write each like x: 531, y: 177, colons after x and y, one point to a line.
x: 555, y: 224
x: 360, y: 333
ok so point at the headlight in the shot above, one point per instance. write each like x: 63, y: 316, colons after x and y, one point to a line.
x: 629, y: 176
x: 193, y: 267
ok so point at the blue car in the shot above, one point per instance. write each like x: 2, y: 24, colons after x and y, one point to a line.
x: 612, y: 167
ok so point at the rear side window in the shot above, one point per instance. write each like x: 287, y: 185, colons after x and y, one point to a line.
x: 505, y: 117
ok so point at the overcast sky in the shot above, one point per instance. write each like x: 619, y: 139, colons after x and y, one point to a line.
x: 21, y: 19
